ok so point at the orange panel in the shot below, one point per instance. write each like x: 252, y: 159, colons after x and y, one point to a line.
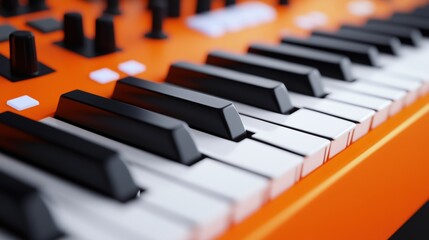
x: 366, y: 192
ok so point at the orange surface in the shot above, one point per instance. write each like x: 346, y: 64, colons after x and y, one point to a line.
x: 366, y: 192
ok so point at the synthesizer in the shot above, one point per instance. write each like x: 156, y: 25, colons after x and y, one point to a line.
x: 212, y: 119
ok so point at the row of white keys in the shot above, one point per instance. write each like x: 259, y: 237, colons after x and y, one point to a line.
x: 246, y: 191
x: 339, y: 131
x: 362, y: 117
x: 209, y: 216
x: 314, y: 149
x: 281, y: 167
x: 395, y: 95
x: 413, y: 86
x: 379, y: 105
x: 410, y: 66
x: 133, y: 220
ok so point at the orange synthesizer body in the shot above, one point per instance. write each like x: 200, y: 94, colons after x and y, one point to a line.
x: 365, y: 192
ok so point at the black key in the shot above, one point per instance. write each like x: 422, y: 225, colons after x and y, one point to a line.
x: 236, y: 86
x: 23, y: 212
x: 385, y: 44
x: 297, y: 78
x: 357, y: 52
x: 203, y: 112
x: 414, y: 21
x: 330, y: 65
x: 66, y: 155
x: 407, y: 35
x: 132, y: 125
x: 421, y: 11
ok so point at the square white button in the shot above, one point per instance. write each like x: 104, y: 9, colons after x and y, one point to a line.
x: 104, y: 75
x: 132, y: 67
x: 22, y: 103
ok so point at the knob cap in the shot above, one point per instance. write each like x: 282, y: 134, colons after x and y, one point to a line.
x: 159, y: 9
x: 105, y: 35
x: 112, y: 7
x: 23, y: 56
x: 10, y: 6
x: 37, y: 4
x: 73, y: 30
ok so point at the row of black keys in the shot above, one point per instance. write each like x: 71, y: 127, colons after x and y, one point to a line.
x: 41, y: 146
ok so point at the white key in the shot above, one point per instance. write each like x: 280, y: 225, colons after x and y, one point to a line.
x: 362, y: 117
x: 397, y: 96
x: 314, y: 149
x: 209, y: 215
x: 133, y: 220
x: 380, y: 105
x: 79, y: 226
x: 283, y: 168
x: 247, y: 191
x: 335, y: 129
x: 409, y: 84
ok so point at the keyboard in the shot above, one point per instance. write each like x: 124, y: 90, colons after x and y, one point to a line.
x: 169, y: 119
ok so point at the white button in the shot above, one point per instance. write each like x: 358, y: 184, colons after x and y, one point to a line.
x: 22, y: 103
x: 132, y: 67
x: 104, y: 75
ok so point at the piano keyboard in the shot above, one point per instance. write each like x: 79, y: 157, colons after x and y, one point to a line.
x: 199, y: 149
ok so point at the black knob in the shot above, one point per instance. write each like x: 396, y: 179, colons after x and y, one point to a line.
x: 158, y: 14
x: 73, y: 30
x: 10, y: 6
x: 150, y: 3
x: 229, y: 3
x: 23, y: 56
x: 173, y: 8
x: 105, y: 35
x: 203, y: 6
x: 112, y: 7
x: 37, y: 4
x: 283, y: 2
